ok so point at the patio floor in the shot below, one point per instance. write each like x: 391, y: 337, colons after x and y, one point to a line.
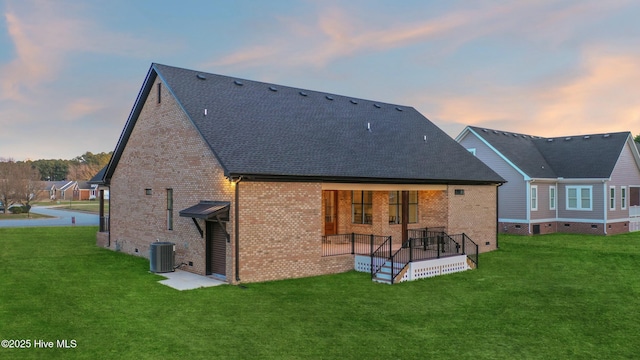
x: 184, y: 280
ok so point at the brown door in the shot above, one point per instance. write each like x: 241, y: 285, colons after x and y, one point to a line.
x: 330, y: 203
x: 216, y: 249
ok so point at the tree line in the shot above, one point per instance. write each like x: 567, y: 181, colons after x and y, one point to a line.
x: 21, y: 181
x: 80, y: 168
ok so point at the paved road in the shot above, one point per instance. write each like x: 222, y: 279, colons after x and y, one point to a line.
x: 62, y: 218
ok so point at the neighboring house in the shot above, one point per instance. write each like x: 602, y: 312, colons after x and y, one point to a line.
x: 59, y: 190
x: 84, y: 191
x: 251, y: 180
x: 575, y: 184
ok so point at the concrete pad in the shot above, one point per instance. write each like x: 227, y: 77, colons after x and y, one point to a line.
x: 184, y: 280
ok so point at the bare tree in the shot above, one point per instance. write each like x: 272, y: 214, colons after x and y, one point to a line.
x: 6, y: 188
x: 19, y: 183
x: 27, y: 185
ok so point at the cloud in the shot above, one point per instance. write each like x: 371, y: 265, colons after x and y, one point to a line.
x: 339, y: 31
x: 602, y: 96
x: 82, y: 107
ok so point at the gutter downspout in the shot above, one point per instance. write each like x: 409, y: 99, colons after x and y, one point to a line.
x: 498, y: 215
x: 237, y: 229
x: 606, y: 204
x: 528, y: 206
x: 557, y: 205
x: 109, y: 236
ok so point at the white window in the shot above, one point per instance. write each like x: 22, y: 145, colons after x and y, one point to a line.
x: 612, y: 198
x: 552, y: 198
x: 623, y: 197
x: 534, y: 197
x: 579, y: 197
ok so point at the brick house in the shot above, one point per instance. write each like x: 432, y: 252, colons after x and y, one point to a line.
x: 248, y: 179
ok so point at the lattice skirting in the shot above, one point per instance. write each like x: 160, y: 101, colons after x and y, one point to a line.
x: 421, y: 269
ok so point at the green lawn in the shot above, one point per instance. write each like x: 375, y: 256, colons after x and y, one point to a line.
x: 545, y: 297
x: 9, y: 216
x: 85, y: 205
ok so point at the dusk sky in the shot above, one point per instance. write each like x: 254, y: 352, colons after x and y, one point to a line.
x: 70, y: 71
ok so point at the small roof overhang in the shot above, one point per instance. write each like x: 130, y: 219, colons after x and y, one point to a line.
x: 208, y: 210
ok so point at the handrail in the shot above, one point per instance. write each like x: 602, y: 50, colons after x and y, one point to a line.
x: 380, y: 256
x: 352, y: 243
x: 470, y: 248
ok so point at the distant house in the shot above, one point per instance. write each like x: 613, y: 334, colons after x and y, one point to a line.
x: 575, y: 184
x: 254, y: 181
x: 59, y: 190
x: 84, y: 191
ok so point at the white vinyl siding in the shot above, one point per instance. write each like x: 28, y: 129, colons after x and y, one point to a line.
x: 579, y: 197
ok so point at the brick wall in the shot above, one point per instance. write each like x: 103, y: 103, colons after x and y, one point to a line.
x: 164, y: 151
x: 280, y: 230
x: 565, y: 227
x: 474, y: 213
x: 432, y: 212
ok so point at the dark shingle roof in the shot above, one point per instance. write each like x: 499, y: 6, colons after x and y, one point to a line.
x: 265, y: 130
x: 99, y: 177
x: 576, y: 156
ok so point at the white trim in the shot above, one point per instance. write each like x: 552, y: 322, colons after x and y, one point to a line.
x: 526, y: 177
x: 553, y: 200
x: 382, y: 187
x: 605, y: 213
x: 515, y: 221
x: 540, y: 221
x: 623, y: 197
x: 612, y: 198
x: 534, y: 199
x: 579, y: 197
x: 572, y: 180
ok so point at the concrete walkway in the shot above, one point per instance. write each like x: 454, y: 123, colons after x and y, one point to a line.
x: 60, y: 218
x: 184, y: 280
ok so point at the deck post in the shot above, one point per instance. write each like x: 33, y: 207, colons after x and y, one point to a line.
x: 353, y: 251
x: 463, y: 241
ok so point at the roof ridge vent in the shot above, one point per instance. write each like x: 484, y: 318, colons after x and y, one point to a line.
x: 606, y: 135
x: 399, y: 108
x: 376, y: 106
x: 353, y: 102
x: 549, y: 140
x: 587, y: 137
x: 201, y: 77
x: 273, y: 88
x: 567, y: 138
x: 238, y: 82
x: 303, y: 93
x: 329, y: 97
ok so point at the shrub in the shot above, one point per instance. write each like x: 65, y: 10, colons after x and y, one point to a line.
x: 16, y: 210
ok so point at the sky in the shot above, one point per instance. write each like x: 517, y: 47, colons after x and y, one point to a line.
x: 70, y: 70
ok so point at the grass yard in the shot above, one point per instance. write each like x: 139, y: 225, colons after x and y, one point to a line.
x: 85, y: 205
x: 545, y: 297
x: 31, y: 215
